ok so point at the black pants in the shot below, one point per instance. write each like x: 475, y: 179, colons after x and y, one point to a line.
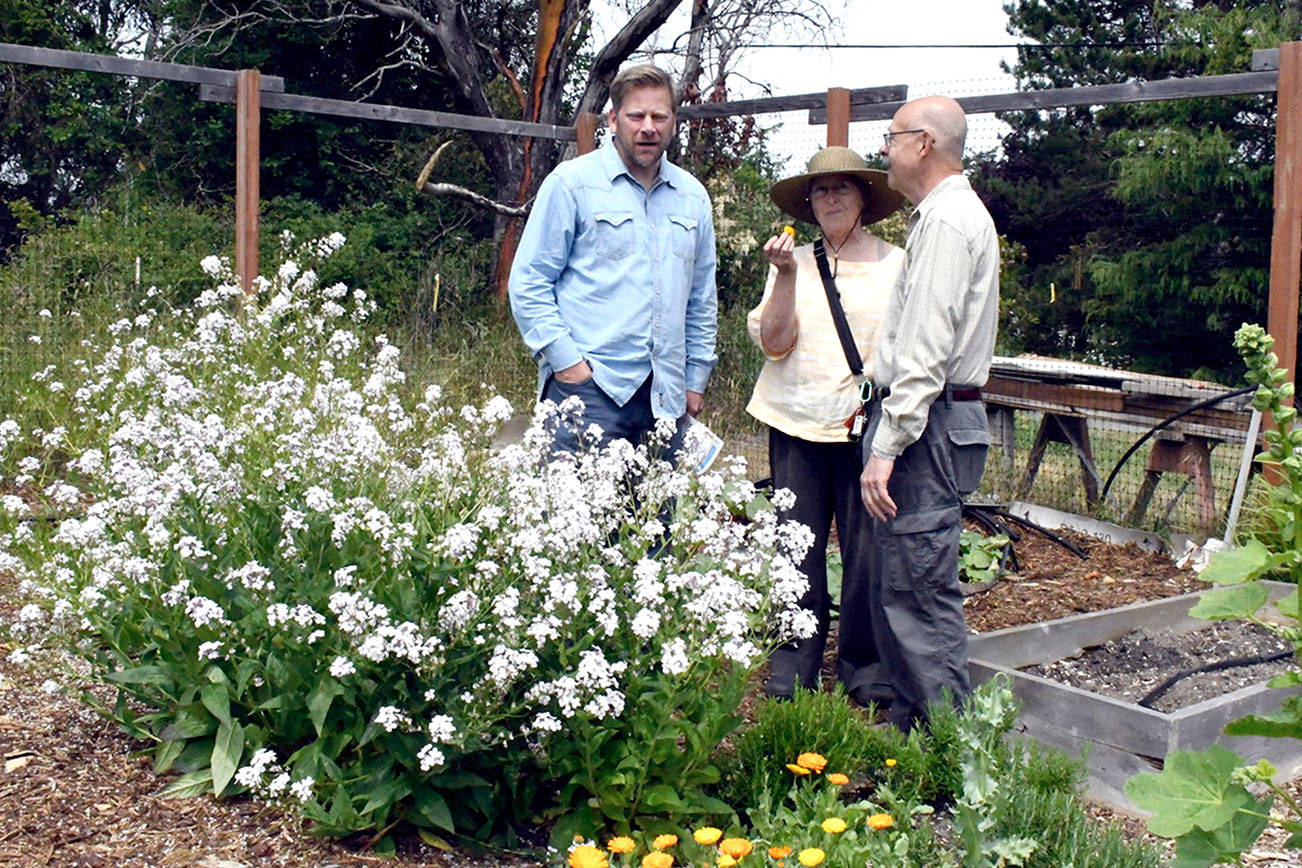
x: 825, y: 479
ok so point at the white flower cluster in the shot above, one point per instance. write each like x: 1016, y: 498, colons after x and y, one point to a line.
x: 268, y: 778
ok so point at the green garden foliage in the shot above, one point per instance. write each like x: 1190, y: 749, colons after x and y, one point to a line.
x: 1202, y: 799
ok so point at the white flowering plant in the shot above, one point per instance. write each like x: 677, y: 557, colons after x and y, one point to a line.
x: 316, y: 582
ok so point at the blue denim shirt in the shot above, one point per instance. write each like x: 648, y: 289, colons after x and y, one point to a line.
x: 622, y: 277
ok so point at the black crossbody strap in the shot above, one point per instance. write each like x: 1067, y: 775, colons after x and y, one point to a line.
x: 843, y: 332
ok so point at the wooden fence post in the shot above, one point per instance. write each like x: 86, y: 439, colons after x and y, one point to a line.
x: 247, y: 129
x: 585, y: 131
x: 1286, y: 239
x: 838, y: 117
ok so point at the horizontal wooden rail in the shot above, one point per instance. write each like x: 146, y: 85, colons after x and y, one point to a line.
x: 398, y: 114
x: 795, y: 102
x: 113, y: 65
x: 1235, y: 84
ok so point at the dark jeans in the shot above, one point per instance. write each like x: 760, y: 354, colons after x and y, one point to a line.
x: 913, y: 566
x: 825, y: 479
x: 632, y: 422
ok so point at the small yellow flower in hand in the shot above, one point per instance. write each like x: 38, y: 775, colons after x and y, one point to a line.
x: 815, y: 762
x: 881, y: 821
x: 656, y: 859
x: 838, y: 779
x: 621, y: 844
x: 834, y: 825
x: 665, y: 841
x: 788, y: 230
x: 707, y: 835
x: 811, y: 856
x: 587, y: 856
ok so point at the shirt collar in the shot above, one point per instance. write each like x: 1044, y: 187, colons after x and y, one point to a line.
x: 953, y: 182
x: 613, y: 163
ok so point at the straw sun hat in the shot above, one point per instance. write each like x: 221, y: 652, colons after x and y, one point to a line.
x: 792, y: 194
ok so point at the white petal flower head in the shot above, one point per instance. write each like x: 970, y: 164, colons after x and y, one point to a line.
x: 430, y: 757
x: 211, y: 265
x: 673, y: 659
x: 342, y: 667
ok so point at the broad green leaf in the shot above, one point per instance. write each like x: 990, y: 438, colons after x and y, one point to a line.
x: 1222, y: 604
x: 386, y: 794
x: 1194, y: 789
x: 187, y: 725
x: 662, y: 796
x: 433, y: 840
x: 227, y: 750
x: 140, y: 675
x: 319, y: 701
x: 430, y: 806
x: 188, y: 786
x: 1224, y: 843
x: 167, y: 753
x: 1282, y: 725
x: 1243, y: 564
x: 1014, y: 850
x: 217, y: 699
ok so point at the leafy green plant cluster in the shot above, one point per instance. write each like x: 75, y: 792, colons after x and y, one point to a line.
x: 317, y: 582
x: 1208, y: 800
x: 981, y: 557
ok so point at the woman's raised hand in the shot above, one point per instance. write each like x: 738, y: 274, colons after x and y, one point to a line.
x: 779, y: 250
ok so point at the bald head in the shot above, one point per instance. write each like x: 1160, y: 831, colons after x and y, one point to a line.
x: 945, y: 120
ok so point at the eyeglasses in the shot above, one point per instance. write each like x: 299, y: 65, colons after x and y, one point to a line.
x: 819, y: 191
x: 887, y: 137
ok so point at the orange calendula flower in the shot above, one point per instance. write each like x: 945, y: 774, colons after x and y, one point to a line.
x: 799, y: 770
x: 834, y: 825
x: 587, y: 856
x: 621, y: 844
x: 707, y: 835
x: 837, y: 778
x: 815, y: 762
x: 881, y: 821
x: 779, y: 852
x: 789, y: 230
x: 656, y: 859
x: 726, y: 861
x: 737, y: 848
x: 665, y: 841
x: 890, y: 764
x: 811, y: 856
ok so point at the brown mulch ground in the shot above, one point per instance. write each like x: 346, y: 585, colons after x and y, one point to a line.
x: 72, y: 793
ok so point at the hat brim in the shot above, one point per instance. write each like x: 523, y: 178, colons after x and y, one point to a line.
x: 792, y: 194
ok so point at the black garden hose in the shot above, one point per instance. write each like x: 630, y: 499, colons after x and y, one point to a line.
x: 1233, y: 663
x: 1160, y: 425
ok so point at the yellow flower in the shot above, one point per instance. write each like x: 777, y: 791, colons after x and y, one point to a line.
x: 737, y: 848
x: 726, y: 861
x: 656, y: 859
x: 834, y: 825
x: 664, y: 842
x: 587, y: 856
x: 881, y: 821
x: 799, y: 770
x: 890, y: 764
x: 815, y: 762
x: 621, y: 844
x: 811, y: 856
x: 779, y: 852
x: 707, y: 835
x: 837, y: 778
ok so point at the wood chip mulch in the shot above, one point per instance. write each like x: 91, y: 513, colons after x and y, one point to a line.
x: 73, y: 791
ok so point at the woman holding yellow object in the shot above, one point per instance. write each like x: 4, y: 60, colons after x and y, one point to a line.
x: 817, y: 326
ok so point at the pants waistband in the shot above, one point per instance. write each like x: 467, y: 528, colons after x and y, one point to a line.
x: 950, y: 393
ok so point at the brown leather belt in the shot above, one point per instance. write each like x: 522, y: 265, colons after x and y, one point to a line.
x: 963, y: 393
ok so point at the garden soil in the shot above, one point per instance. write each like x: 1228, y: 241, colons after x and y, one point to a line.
x: 74, y: 791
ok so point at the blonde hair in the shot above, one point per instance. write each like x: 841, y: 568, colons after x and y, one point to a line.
x: 640, y: 75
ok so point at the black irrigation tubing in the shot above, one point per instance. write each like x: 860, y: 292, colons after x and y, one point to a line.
x: 1160, y: 425
x: 981, y: 516
x: 1027, y: 523
x: 1234, y: 663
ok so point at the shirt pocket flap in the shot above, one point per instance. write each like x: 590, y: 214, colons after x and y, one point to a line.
x: 969, y: 436
x: 612, y: 218
x: 926, y: 520
x: 688, y: 223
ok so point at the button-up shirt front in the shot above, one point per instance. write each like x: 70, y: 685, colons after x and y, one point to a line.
x: 622, y: 277
x: 942, y: 318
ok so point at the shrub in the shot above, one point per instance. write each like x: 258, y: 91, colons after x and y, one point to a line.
x: 312, y: 581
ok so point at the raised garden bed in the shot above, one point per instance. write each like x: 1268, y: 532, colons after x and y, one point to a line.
x: 1121, y: 737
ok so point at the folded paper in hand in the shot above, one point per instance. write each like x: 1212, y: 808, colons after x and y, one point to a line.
x: 700, y: 446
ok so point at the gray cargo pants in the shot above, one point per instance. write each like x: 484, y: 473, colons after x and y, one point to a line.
x: 912, y: 564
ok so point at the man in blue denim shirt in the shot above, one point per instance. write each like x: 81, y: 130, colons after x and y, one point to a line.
x: 613, y: 282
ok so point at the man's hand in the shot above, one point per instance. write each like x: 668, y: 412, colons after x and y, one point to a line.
x: 872, y: 487
x: 695, y: 403
x: 575, y: 373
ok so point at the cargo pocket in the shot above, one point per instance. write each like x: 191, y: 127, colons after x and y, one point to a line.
x: 614, y: 234
x: 968, y: 448
x: 923, y: 549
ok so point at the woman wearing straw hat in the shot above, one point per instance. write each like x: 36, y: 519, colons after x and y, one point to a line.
x: 809, y: 391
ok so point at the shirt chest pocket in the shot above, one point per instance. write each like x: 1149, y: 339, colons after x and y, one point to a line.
x: 682, y: 236
x: 614, y: 234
